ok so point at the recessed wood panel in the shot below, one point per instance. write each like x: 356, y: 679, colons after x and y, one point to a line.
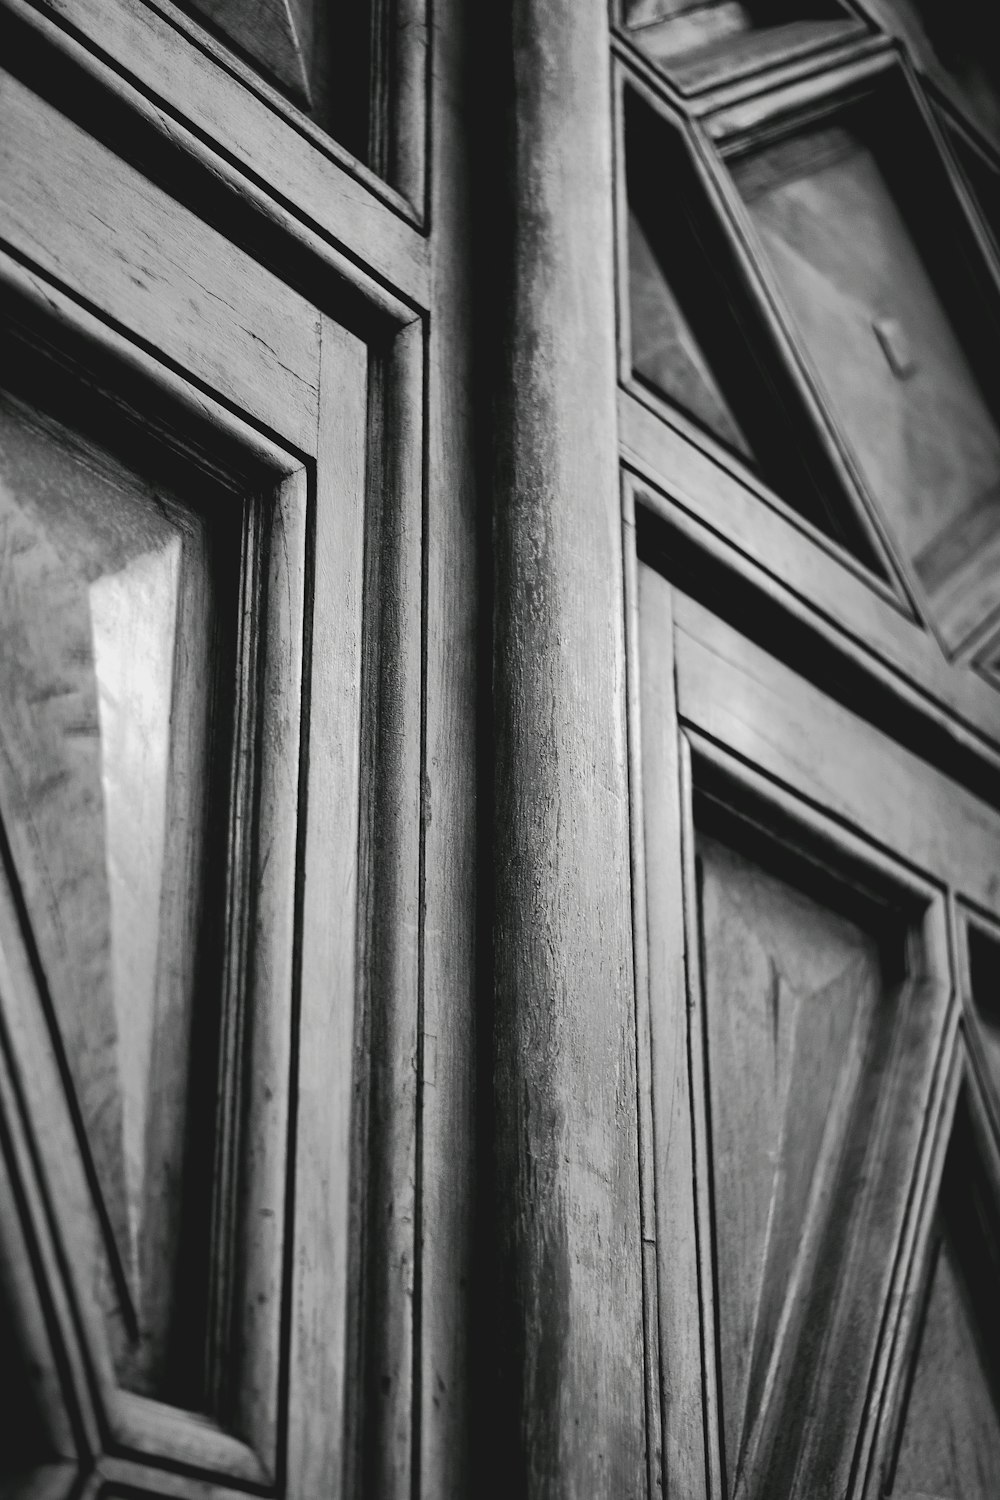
x: 898, y: 376
x: 117, y: 611
x: 794, y: 994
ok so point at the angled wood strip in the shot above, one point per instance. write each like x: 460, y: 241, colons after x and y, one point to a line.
x: 319, y: 1366
x: 675, y: 1152
x: 345, y: 202
x: 105, y: 232
x: 738, y: 695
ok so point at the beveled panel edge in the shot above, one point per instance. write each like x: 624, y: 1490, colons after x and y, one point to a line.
x: 50, y: 302
x: 102, y: 230
x: 201, y: 105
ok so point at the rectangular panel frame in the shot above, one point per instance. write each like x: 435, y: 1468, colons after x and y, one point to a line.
x: 674, y: 744
x: 344, y: 662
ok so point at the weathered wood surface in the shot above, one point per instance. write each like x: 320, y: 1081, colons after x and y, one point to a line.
x: 566, y: 1306
x: 160, y: 56
x: 116, y: 525
x: 739, y: 696
x: 318, y: 1359
x: 675, y: 1040
x: 104, y: 770
x: 889, y: 356
x: 388, y: 1054
x: 791, y: 990
x: 449, y: 1364
x: 82, y: 216
x: 789, y: 562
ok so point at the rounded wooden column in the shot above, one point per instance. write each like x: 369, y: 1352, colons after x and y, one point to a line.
x: 569, y: 1409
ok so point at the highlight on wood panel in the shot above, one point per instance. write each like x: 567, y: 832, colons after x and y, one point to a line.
x: 948, y: 1442
x: 118, y: 614
x: 904, y: 360
x: 699, y: 339
x: 700, y: 40
x: 325, y: 58
x: 798, y: 981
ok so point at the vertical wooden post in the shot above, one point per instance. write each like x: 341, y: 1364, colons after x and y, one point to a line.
x: 568, y: 1315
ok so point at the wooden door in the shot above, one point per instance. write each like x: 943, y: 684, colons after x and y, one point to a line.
x: 809, y: 432
x: 216, y: 388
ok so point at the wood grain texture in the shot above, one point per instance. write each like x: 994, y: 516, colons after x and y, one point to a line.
x: 896, y: 373
x: 845, y: 1275
x: 171, y: 61
x: 388, y: 1051
x: 255, y: 1265
x: 330, y: 896
x: 451, y: 994
x: 273, y: 35
x: 675, y: 1144
x: 739, y: 696
x: 567, y: 1308
x: 104, y: 792
x: 791, y: 989
x: 81, y: 216
x: 269, y: 863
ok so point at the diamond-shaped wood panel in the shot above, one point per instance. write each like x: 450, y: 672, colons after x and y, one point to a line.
x: 900, y: 355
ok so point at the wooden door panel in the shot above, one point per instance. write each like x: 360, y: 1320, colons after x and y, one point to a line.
x: 164, y: 70
x: 173, y: 1026
x: 185, y: 480
x: 119, y: 622
x: 738, y: 695
x: 889, y: 355
x: 100, y: 229
x: 819, y: 1005
x: 794, y: 993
